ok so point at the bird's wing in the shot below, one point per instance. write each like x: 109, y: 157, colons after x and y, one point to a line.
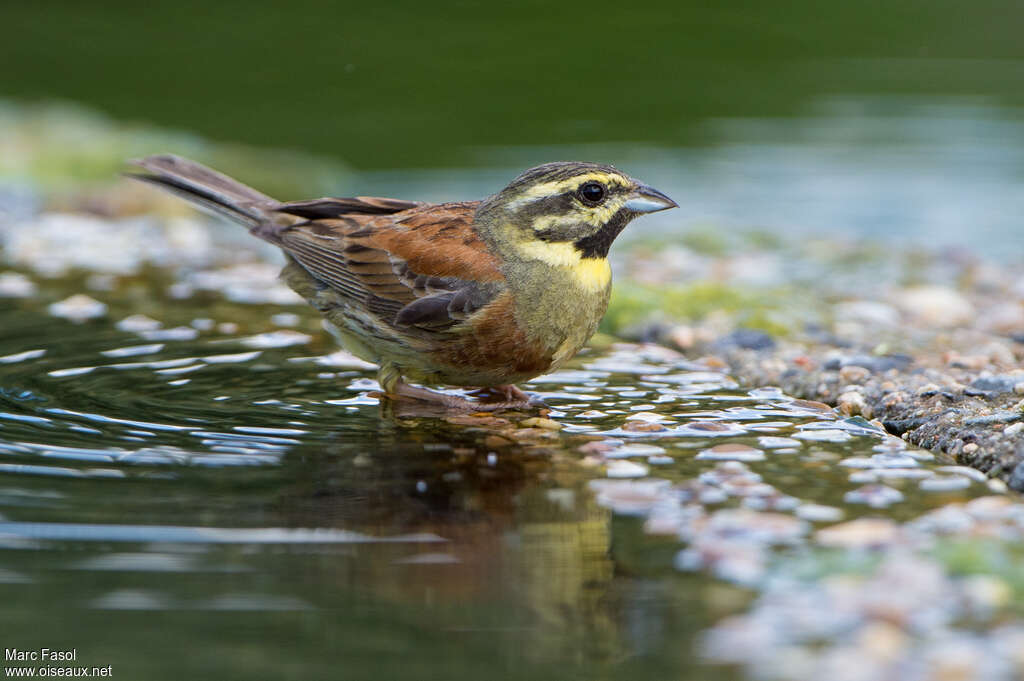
x: 423, y: 267
x: 337, y: 207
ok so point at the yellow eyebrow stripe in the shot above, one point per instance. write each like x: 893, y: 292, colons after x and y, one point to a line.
x: 540, y: 191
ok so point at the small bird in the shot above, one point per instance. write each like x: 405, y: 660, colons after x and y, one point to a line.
x: 476, y: 293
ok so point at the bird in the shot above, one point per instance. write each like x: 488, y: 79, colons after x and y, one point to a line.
x: 484, y: 294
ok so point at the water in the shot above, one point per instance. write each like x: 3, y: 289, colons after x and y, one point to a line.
x: 234, y: 502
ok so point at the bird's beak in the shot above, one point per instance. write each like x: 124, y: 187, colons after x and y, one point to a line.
x: 648, y: 200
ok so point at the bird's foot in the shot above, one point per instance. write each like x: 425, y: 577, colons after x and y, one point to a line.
x: 502, y: 397
x: 507, y: 394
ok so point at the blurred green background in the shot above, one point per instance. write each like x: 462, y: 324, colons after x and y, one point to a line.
x: 406, y: 84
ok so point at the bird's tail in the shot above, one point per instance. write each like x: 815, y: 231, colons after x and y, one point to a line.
x: 207, y: 188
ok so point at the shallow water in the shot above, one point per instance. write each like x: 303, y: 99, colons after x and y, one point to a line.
x: 187, y: 498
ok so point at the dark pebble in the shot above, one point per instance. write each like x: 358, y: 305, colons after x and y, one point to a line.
x: 900, y: 426
x: 821, y: 335
x: 997, y: 417
x: 869, y: 362
x: 975, y: 392
x: 1016, y: 481
x: 995, y: 384
x: 746, y: 339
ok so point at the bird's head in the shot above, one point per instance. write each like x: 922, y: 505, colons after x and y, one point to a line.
x: 582, y: 205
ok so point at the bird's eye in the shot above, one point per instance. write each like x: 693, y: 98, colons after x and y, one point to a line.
x: 591, y: 193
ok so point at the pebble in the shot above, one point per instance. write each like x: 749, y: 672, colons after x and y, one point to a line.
x: 996, y: 384
x: 852, y: 403
x: 746, y: 339
x: 496, y: 442
x: 631, y: 497
x: 946, y: 483
x: 877, y: 474
x: 16, y: 285
x: 819, y: 513
x: 965, y: 471
x: 138, y: 322
x: 597, y: 447
x: 854, y: 374
x: 986, y: 593
x: 286, y: 319
x: 935, y: 305
x: 643, y: 427
x: 990, y: 507
x: 709, y: 429
x: 622, y: 468
x: 872, y: 363
x: 771, y: 442
x: 78, y: 308
x: 875, y: 496
x: 997, y: 486
x: 178, y: 333
x: 862, y: 533
x: 828, y: 435
x: 538, y: 422
x: 731, y: 452
x: 649, y: 417
x: 638, y: 449
x: 867, y: 311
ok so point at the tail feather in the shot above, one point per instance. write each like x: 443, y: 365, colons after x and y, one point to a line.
x: 207, y: 188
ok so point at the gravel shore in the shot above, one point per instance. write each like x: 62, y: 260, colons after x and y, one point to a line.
x: 933, y: 353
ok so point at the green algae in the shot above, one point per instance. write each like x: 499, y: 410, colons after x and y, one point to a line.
x: 634, y: 304
x: 59, y: 146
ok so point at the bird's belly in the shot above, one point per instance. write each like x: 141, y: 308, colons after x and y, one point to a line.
x: 564, y: 323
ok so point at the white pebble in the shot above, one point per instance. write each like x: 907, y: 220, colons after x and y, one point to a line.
x: 78, y: 308
x: 138, y: 322
x: 286, y: 319
x: 621, y: 468
x: 15, y: 285
x: 818, y: 513
x: 947, y: 483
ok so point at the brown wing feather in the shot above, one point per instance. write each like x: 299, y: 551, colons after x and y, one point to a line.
x: 314, y: 209
x: 424, y: 267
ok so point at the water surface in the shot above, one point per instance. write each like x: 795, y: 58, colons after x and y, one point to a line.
x: 185, y: 497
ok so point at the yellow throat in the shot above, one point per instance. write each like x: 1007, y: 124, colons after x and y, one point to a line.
x: 590, y: 274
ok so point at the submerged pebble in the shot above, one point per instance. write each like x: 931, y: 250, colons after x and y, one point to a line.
x: 621, y: 468
x: 731, y: 452
x: 16, y: 285
x: 78, y: 308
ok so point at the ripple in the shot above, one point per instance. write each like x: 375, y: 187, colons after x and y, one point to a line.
x: 22, y: 356
x: 133, y: 350
x: 201, y: 535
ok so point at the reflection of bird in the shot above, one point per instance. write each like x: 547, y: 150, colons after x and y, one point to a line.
x: 482, y: 293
